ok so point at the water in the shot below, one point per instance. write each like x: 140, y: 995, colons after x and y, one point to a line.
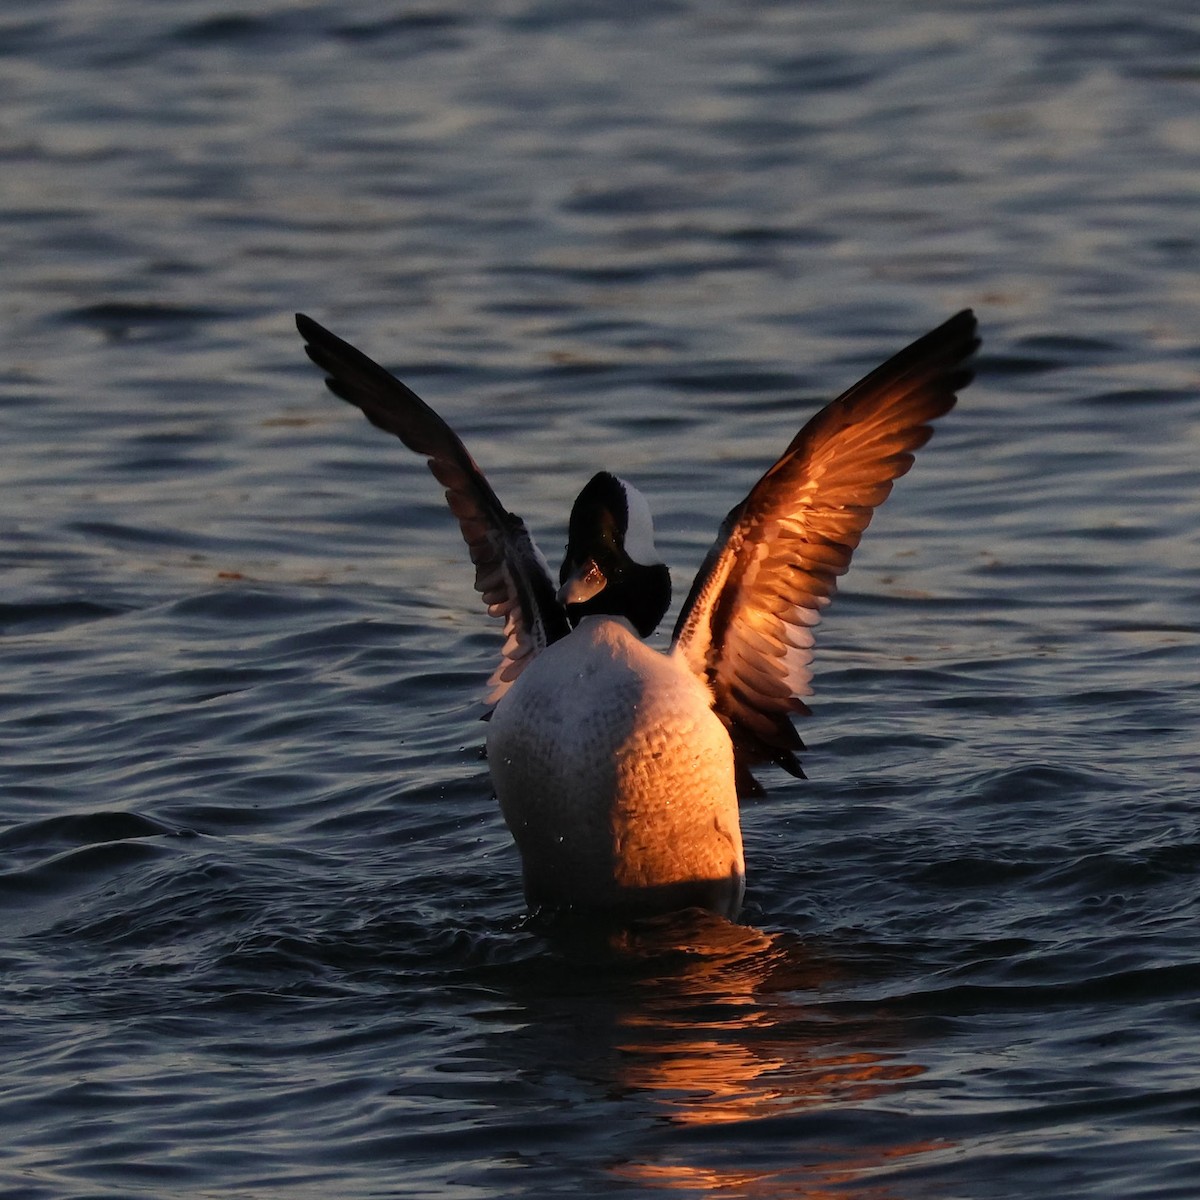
x: 263, y: 933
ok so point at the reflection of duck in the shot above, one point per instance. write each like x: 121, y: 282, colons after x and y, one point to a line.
x: 726, y: 1058
x: 618, y: 768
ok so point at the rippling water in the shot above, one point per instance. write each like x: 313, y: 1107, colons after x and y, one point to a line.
x: 263, y: 933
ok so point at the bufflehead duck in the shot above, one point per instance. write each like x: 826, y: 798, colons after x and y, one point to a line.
x: 618, y: 768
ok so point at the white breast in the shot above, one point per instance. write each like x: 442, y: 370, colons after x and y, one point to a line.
x: 616, y: 778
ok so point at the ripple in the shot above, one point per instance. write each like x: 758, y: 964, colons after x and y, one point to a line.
x: 263, y: 920
x: 49, y: 615
x: 121, y: 321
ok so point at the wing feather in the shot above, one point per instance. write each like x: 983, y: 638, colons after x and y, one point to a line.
x: 746, y: 626
x: 510, y: 572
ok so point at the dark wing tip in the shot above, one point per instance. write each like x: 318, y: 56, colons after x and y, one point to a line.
x: 962, y: 327
x: 947, y: 346
x: 320, y: 345
x: 345, y: 366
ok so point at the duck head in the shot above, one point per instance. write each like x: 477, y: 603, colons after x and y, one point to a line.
x: 611, y: 566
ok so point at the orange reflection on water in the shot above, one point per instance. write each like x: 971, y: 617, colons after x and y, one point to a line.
x: 718, y: 1034
x: 819, y: 1180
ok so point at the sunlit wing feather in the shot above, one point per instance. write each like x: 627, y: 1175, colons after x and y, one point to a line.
x: 510, y: 571
x: 746, y: 627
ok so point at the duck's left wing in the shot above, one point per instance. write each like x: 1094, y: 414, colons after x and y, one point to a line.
x: 746, y: 626
x: 509, y: 569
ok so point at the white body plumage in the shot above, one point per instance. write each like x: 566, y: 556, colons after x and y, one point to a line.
x: 616, y: 778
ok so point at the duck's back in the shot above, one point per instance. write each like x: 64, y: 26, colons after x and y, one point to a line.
x: 616, y: 778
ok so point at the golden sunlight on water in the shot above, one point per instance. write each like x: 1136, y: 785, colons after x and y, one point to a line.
x: 719, y: 1039
x: 819, y: 1180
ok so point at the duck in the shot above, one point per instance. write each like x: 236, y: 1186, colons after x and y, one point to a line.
x: 619, y: 768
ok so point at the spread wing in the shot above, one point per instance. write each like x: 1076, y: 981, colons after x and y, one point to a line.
x: 509, y: 569
x: 746, y: 627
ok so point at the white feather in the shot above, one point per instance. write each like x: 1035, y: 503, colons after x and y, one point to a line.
x: 639, y: 536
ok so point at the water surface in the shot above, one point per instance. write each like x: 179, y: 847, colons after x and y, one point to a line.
x: 263, y: 932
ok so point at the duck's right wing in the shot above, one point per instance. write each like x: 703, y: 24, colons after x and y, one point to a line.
x: 746, y: 627
x: 510, y: 571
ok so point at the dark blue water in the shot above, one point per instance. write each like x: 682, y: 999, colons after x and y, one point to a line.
x: 262, y: 930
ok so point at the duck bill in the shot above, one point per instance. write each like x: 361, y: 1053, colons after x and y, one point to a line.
x: 587, y: 581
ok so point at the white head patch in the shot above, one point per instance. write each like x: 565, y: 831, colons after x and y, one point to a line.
x: 639, y: 532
